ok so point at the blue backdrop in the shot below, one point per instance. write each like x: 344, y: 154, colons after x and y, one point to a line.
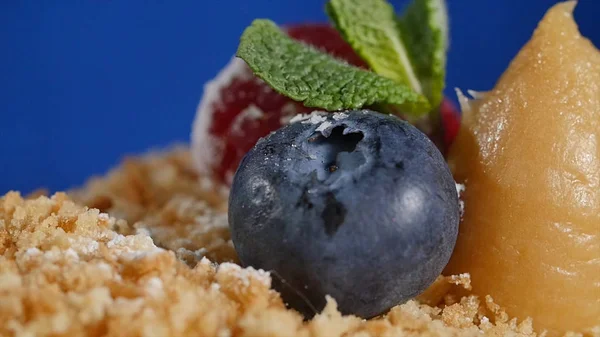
x: 83, y: 83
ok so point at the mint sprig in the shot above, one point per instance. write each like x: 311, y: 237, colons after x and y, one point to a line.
x: 424, y: 27
x: 410, y: 49
x: 371, y: 28
x: 318, y: 80
x: 407, y: 55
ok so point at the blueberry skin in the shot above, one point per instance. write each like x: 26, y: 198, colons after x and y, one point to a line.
x: 362, y: 208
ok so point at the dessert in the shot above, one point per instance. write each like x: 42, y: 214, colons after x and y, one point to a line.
x: 528, y: 155
x: 148, y: 251
x: 359, y: 206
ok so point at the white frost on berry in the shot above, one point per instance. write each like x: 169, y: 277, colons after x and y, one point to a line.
x: 460, y: 188
x: 339, y: 116
x: 252, y: 112
x: 299, y: 118
x: 206, y: 148
x: 314, y: 117
x: 324, y: 126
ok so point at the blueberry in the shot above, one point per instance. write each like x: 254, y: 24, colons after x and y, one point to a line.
x: 359, y: 206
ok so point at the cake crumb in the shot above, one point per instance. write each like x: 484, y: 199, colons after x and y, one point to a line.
x: 157, y: 260
x: 183, y: 213
x: 463, y: 280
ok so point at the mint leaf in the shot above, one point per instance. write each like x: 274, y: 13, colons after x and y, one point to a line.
x: 410, y: 50
x: 315, y: 78
x: 371, y: 28
x: 424, y: 27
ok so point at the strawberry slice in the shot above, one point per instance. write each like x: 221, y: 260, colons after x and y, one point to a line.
x: 237, y: 108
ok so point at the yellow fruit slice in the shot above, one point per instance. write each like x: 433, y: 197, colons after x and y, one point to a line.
x: 529, y: 155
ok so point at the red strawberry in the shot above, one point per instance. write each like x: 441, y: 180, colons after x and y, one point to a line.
x: 450, y: 117
x: 237, y: 108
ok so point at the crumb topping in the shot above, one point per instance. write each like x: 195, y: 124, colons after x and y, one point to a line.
x: 156, y: 260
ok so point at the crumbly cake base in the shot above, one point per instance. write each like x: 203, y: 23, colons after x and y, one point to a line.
x: 145, y: 251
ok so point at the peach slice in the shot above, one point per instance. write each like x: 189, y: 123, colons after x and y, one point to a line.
x: 529, y: 154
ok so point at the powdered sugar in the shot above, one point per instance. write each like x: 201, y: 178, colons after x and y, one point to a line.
x: 252, y: 112
x: 314, y: 117
x: 104, y: 267
x: 84, y: 245
x: 205, y: 262
x: 32, y: 252
x: 339, y: 116
x: 154, y: 287
x: 207, y: 149
x: 299, y: 118
x: 117, y: 240
x: 72, y: 254
x: 460, y: 188
x: 324, y: 126
x: 244, y: 274
x: 128, y: 247
x: 463, y: 280
x: 133, y: 247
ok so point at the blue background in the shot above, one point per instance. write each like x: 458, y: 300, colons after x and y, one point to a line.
x: 83, y: 83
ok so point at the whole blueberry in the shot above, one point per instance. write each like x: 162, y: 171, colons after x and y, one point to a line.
x: 360, y: 206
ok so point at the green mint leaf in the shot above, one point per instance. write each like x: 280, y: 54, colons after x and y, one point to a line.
x: 318, y: 80
x: 409, y: 50
x: 424, y: 27
x: 371, y: 28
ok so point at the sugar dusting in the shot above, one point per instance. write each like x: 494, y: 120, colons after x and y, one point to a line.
x: 208, y: 149
x: 245, y: 274
x: 463, y: 280
x: 460, y: 188
x: 324, y: 126
x: 340, y: 115
x: 314, y: 117
x: 154, y: 287
x: 251, y: 113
